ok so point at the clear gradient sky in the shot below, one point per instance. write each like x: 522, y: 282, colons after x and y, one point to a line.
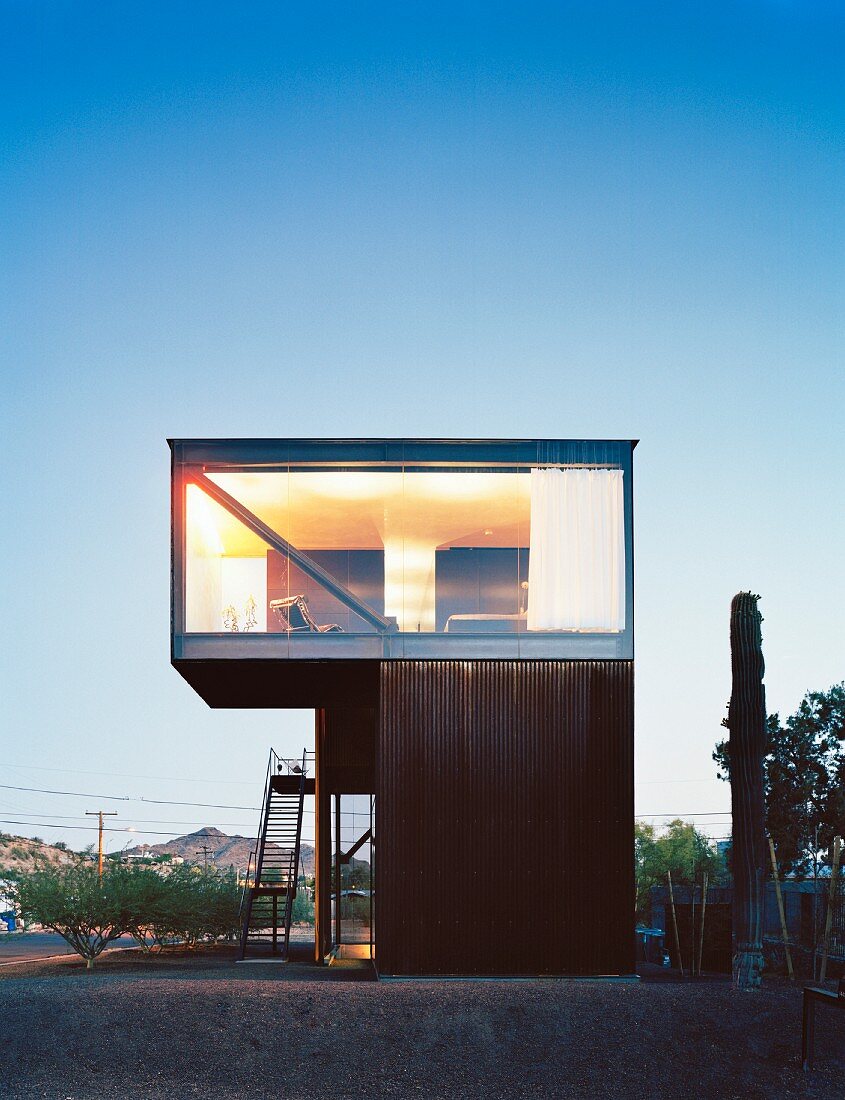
x: 581, y: 220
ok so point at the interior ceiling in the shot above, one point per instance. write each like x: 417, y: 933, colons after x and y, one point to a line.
x: 362, y: 510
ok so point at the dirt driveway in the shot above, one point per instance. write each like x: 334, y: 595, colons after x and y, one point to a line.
x: 205, y: 1026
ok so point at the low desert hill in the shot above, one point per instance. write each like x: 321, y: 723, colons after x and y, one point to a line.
x: 226, y: 851
x: 22, y: 853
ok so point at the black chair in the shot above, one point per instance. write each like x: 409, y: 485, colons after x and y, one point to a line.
x: 292, y: 612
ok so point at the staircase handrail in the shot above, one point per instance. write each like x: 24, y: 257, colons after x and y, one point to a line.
x: 274, y: 765
x: 259, y: 855
x: 295, y: 764
x: 294, y: 883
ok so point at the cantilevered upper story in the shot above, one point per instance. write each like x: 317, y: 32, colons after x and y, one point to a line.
x: 299, y: 565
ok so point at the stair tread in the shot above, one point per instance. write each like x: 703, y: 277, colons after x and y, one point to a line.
x: 277, y: 875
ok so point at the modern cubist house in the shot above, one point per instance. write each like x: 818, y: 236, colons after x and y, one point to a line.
x: 459, y: 614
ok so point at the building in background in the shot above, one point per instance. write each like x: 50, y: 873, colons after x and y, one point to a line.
x: 459, y: 613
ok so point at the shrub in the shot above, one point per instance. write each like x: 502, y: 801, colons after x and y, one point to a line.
x: 89, y: 912
x: 147, y: 909
x: 189, y: 904
x: 303, y: 908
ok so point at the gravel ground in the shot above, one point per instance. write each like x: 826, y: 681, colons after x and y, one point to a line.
x: 203, y: 1026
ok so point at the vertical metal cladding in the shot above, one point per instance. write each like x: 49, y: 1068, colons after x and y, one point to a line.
x: 349, y: 735
x: 505, y: 818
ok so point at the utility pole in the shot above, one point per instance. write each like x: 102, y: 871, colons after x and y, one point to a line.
x: 101, y: 814
x: 204, y: 848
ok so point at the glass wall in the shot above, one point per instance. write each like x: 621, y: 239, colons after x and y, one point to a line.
x: 441, y: 547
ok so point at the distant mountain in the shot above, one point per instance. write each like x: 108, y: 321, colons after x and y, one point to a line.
x: 226, y: 851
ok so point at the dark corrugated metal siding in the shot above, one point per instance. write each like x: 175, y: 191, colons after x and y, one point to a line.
x: 350, y: 741
x: 505, y: 818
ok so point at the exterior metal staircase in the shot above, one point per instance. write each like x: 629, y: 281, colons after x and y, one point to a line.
x: 271, y: 884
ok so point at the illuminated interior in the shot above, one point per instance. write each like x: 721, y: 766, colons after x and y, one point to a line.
x: 434, y: 550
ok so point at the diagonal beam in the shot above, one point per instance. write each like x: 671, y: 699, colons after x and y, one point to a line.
x: 274, y: 539
x: 359, y: 843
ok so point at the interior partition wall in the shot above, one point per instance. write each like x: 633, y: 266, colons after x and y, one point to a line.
x: 505, y: 811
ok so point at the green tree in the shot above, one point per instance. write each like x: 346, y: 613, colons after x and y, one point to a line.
x: 681, y: 850
x: 804, y: 777
x: 72, y: 900
x: 303, y: 908
x: 149, y: 906
x: 186, y: 904
x: 199, y: 904
x: 220, y: 895
x: 356, y: 875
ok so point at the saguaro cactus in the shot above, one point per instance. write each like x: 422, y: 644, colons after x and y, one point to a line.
x: 747, y: 724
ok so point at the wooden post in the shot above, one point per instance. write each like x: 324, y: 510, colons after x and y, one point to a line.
x: 675, y: 923
x: 701, y: 931
x: 101, y: 814
x: 779, y: 896
x: 831, y: 901
x: 747, y: 746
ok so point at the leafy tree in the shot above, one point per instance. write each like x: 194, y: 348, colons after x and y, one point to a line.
x: 303, y: 908
x: 681, y: 849
x: 148, y: 903
x: 220, y: 895
x: 186, y: 904
x: 72, y: 900
x: 804, y: 777
x: 199, y: 904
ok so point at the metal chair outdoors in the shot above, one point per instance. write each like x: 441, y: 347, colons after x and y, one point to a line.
x: 292, y: 612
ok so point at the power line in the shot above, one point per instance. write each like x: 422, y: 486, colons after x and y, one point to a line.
x: 126, y: 775
x: 109, y: 829
x: 702, y: 813
x: 130, y: 798
x: 90, y: 828
x: 709, y: 779
x: 229, y: 806
x: 251, y: 782
x: 148, y: 820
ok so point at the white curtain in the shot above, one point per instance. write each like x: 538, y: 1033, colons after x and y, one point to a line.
x: 576, y: 568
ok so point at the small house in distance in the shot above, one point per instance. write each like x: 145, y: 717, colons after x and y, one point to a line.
x: 459, y: 613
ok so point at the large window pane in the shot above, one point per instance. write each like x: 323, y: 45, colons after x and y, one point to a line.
x: 225, y: 571
x: 445, y: 549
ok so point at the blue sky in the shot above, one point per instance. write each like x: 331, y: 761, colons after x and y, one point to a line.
x: 580, y: 220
